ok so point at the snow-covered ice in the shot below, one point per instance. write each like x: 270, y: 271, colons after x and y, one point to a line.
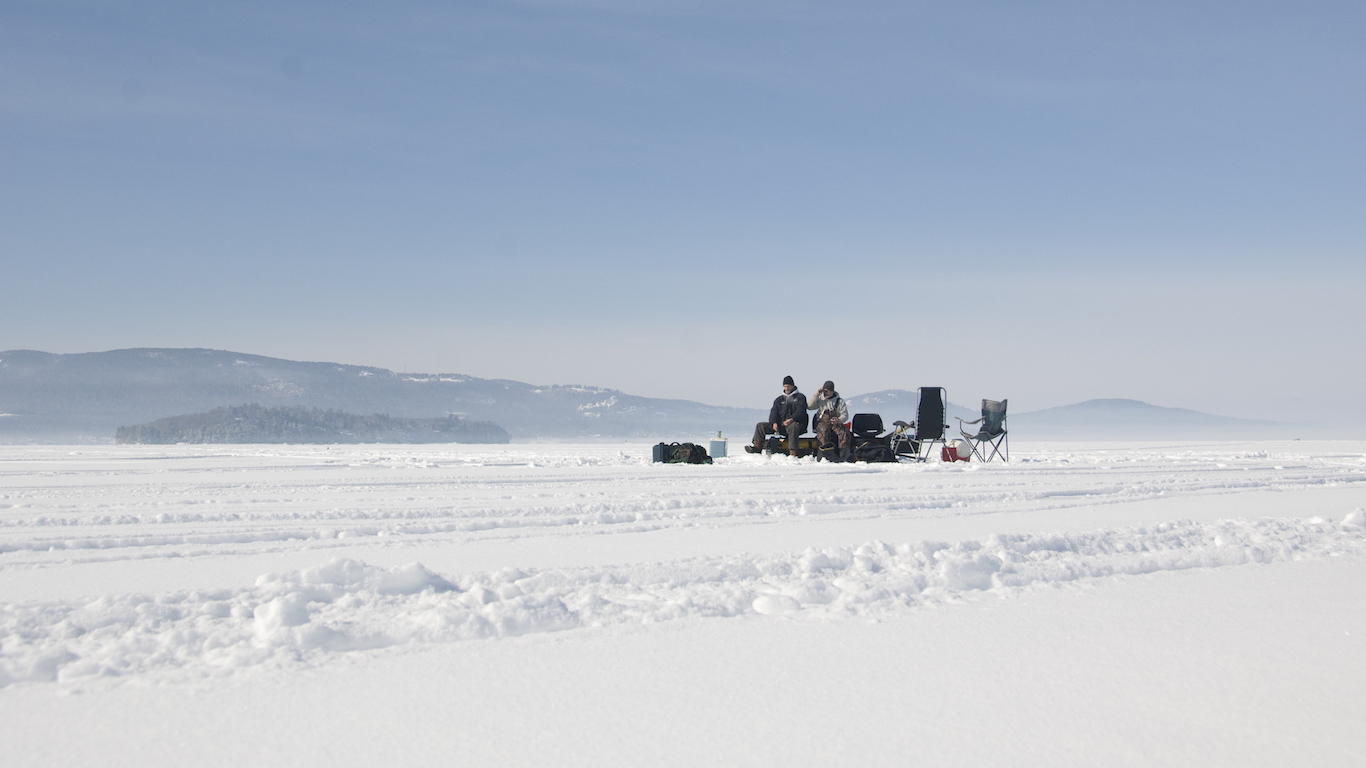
x: 1184, y: 603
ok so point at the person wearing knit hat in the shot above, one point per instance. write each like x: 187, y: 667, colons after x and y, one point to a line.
x: 786, y: 417
x: 831, y: 416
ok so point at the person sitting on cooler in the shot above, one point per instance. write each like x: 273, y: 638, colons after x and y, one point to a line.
x: 787, y: 416
x: 831, y: 416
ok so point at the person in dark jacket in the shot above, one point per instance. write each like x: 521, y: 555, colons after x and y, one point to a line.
x: 787, y: 416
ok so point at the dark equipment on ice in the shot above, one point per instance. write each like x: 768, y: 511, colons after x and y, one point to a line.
x: 992, y: 432
x: 680, y: 453
x: 810, y: 445
x: 806, y: 445
x: 869, y: 443
x: 866, y: 426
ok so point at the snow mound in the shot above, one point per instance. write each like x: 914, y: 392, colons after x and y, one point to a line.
x: 303, y: 617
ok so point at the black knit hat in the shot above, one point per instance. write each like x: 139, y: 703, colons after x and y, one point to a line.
x: 787, y: 381
x: 829, y: 385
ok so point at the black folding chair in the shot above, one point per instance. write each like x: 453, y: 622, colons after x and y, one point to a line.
x: 917, y: 438
x: 930, y: 426
x: 992, y: 432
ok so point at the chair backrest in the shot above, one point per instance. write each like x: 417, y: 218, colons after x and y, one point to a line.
x: 929, y: 415
x: 994, y: 416
x: 867, y: 424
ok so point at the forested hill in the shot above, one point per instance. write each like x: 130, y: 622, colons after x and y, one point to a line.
x: 296, y: 424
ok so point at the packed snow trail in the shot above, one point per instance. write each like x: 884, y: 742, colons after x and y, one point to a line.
x: 136, y: 502
x: 304, y: 617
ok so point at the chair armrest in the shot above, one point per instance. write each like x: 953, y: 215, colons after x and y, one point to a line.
x: 974, y: 421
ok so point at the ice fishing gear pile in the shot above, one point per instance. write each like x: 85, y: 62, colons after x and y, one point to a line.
x: 910, y: 441
x: 907, y: 441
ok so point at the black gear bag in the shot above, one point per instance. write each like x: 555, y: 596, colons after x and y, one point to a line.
x: 680, y: 453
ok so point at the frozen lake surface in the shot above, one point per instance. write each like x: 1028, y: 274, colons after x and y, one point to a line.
x: 1183, y: 603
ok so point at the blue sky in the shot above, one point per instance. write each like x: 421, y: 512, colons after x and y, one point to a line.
x: 1048, y: 202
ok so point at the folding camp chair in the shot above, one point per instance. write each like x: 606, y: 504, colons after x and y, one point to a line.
x: 917, y: 438
x: 901, y: 440
x: 930, y: 426
x: 992, y: 432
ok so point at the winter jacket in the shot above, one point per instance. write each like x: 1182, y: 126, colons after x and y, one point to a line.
x: 833, y: 405
x: 787, y: 406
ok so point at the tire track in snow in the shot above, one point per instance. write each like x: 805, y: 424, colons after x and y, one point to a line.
x: 673, y: 510
x: 306, y: 617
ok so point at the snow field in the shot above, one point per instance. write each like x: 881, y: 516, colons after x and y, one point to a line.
x: 241, y: 602
x: 127, y: 502
x: 345, y: 605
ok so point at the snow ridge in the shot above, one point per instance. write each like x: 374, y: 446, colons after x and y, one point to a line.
x: 303, y: 617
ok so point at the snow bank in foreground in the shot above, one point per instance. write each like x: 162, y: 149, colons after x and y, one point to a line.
x: 345, y: 605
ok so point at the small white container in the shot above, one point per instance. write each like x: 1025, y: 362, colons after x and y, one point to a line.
x: 718, y: 447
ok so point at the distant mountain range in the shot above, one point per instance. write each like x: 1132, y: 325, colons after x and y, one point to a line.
x: 1113, y: 419
x: 1105, y: 419
x: 85, y: 397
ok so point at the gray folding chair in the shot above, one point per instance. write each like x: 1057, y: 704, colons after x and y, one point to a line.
x: 992, y: 432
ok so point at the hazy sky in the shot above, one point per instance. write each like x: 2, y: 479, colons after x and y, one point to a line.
x: 1042, y: 201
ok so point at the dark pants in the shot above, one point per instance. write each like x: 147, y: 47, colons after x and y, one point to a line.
x: 829, y: 431
x: 763, y: 429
